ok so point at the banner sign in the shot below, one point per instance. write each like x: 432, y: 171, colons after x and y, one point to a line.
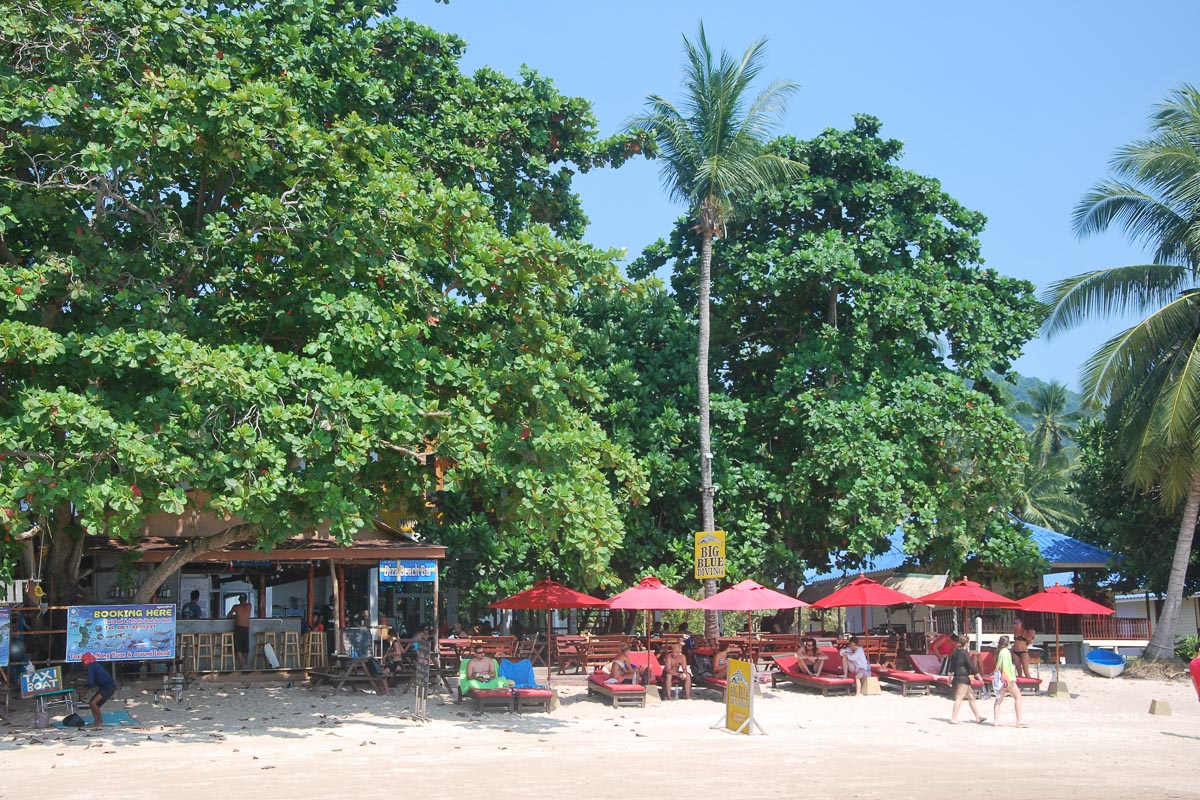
x: 408, y: 570
x: 121, y: 633
x: 710, y: 555
x: 5, y: 620
x: 739, y: 696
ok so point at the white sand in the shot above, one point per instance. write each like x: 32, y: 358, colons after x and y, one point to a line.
x: 238, y: 740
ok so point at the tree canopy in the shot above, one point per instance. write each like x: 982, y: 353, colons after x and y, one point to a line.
x: 850, y: 308
x: 282, y: 256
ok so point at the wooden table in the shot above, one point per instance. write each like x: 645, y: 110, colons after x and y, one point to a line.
x: 352, y: 670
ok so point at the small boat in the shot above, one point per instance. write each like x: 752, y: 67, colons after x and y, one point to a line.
x: 1106, y: 663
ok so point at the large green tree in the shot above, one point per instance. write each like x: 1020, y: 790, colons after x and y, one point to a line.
x: 711, y: 147
x: 1150, y: 373
x: 275, y: 258
x: 853, y: 327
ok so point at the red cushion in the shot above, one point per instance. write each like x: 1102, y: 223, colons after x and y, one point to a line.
x: 833, y: 662
x: 490, y: 693
x: 533, y: 693
x: 599, y: 678
x: 787, y: 664
x: 716, y: 681
x: 905, y: 677
x: 827, y: 680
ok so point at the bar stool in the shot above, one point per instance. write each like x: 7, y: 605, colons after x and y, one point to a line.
x: 204, y: 651
x: 225, y: 653
x: 289, y: 657
x: 314, y: 650
x: 261, y: 640
x: 185, y: 651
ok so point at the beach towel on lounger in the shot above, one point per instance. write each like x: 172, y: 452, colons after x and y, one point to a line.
x: 520, y: 673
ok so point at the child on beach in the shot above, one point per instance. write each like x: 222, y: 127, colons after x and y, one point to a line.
x: 98, y: 677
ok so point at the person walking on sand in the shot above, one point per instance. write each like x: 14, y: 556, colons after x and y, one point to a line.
x: 105, y: 686
x: 962, y: 667
x: 1004, y: 682
x: 240, y: 614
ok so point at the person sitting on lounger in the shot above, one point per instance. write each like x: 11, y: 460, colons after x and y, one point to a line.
x: 621, y: 668
x: 675, y: 670
x: 809, y: 657
x: 483, y: 673
x: 721, y: 661
x: 855, y: 664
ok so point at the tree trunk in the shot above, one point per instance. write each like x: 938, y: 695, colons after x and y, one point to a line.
x: 1162, y: 643
x: 61, y: 567
x: 706, y: 457
x: 188, y: 551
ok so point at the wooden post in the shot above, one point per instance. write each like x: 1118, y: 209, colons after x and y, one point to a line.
x: 262, y: 596
x: 337, y: 602
x: 312, y: 568
x: 341, y: 604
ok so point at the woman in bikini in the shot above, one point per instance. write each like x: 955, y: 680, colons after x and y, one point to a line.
x: 721, y: 662
x: 1022, y: 639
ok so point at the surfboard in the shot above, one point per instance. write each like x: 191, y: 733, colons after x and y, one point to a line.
x: 269, y: 655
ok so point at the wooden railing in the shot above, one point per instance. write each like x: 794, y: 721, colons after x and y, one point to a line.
x: 1115, y: 628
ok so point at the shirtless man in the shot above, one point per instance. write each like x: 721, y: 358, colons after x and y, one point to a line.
x: 480, y: 667
x: 240, y: 614
x: 675, y: 669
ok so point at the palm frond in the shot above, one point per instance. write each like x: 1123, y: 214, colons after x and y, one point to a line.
x: 1113, y: 291
x: 1125, y: 362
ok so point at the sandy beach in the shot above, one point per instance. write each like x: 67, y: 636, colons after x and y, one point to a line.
x: 253, y: 740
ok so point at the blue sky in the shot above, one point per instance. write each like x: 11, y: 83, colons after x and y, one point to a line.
x: 1015, y: 107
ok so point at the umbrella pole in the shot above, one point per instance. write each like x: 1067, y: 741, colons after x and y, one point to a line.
x: 549, y: 643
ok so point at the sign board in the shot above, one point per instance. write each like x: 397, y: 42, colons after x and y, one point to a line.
x: 5, y: 635
x: 739, y: 696
x: 44, y: 681
x: 121, y: 633
x: 710, y: 555
x: 408, y: 570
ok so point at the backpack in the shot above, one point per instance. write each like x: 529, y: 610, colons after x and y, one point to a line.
x: 73, y: 721
x: 701, y: 666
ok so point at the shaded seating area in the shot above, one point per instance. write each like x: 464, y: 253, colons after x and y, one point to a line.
x: 828, y: 681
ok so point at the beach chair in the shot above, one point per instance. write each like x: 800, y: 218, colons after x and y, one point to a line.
x: 526, y: 693
x: 987, y: 666
x: 647, y: 663
x: 829, y: 681
x: 485, y: 699
x: 908, y: 682
x: 931, y: 667
x: 619, y: 694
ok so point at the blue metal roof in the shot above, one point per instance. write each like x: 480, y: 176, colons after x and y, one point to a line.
x: 1060, y: 550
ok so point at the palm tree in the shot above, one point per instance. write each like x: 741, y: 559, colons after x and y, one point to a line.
x: 1052, y: 425
x: 1150, y: 373
x: 712, y: 151
x: 1045, y: 498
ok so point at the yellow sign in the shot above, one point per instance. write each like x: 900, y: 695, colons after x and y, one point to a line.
x: 739, y: 696
x: 710, y: 555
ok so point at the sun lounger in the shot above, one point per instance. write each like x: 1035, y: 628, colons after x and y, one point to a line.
x: 485, y: 699
x: 620, y: 694
x: 829, y: 681
x: 987, y: 666
x: 931, y: 667
x: 909, y: 683
x: 526, y: 693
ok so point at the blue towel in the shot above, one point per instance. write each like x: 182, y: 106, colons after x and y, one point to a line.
x: 520, y: 673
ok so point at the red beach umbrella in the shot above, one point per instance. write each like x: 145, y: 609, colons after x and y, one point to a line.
x: 862, y: 591
x: 548, y: 595
x: 1061, y: 600
x: 750, y: 596
x: 651, y: 595
x: 966, y: 594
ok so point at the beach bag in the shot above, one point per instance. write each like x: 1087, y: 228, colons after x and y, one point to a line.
x: 73, y: 720
x: 701, y: 666
x: 998, y: 682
